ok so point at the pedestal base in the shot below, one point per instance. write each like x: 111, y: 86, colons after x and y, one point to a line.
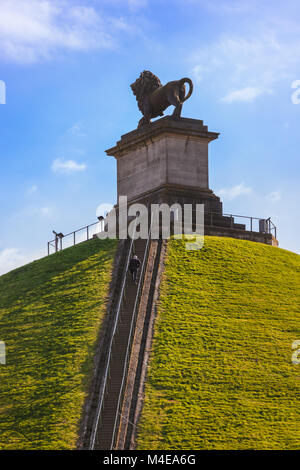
x: 166, y: 162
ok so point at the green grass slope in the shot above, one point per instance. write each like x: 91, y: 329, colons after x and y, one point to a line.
x: 50, y: 315
x: 221, y: 375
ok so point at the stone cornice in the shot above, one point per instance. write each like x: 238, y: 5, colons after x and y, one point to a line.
x: 169, y: 125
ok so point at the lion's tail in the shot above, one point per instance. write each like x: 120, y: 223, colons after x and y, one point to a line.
x: 189, y: 81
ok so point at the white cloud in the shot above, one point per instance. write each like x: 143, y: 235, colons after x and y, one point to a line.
x: 67, y: 166
x: 133, y: 5
x: 45, y: 211
x: 224, y: 7
x: 234, y: 191
x: 244, y: 94
x: 11, y: 258
x: 76, y: 130
x: 34, y: 212
x: 32, y: 189
x: 274, y: 196
x: 137, y: 4
x: 33, y: 30
x: 242, y: 67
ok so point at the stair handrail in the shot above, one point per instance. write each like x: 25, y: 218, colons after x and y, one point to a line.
x: 104, y: 381
x: 129, y: 344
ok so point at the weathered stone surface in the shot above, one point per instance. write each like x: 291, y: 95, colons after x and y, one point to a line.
x: 169, y: 152
x: 167, y: 162
x: 266, y: 238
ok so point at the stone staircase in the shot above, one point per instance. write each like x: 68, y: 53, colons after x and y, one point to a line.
x: 105, y: 428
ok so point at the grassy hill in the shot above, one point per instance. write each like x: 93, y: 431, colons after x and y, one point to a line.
x: 50, y: 315
x: 221, y: 375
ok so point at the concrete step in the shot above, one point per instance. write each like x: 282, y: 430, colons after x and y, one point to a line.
x: 111, y: 397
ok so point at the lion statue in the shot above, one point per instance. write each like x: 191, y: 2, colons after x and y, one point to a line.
x: 153, y: 97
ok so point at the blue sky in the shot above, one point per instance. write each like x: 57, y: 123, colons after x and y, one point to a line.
x: 67, y: 66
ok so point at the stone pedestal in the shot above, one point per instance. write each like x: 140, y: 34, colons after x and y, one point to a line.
x: 166, y: 161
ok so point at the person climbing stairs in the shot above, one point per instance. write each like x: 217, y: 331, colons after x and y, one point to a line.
x: 106, y: 428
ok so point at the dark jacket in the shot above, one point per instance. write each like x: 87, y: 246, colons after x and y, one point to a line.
x: 134, y: 264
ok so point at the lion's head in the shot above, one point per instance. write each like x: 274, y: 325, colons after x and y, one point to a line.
x: 144, y: 85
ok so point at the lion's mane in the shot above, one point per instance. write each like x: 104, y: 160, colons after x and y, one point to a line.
x: 143, y: 86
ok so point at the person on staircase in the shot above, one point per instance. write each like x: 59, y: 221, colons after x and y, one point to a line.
x: 134, y: 266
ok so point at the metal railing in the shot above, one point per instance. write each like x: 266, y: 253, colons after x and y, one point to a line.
x: 130, y: 338
x: 61, y: 241
x: 116, y: 319
x: 252, y: 224
x: 129, y: 344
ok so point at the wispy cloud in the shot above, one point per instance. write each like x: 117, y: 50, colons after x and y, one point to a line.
x: 76, y: 130
x: 224, y: 6
x: 67, y: 166
x: 34, y: 30
x: 244, y: 94
x: 11, y: 258
x: 133, y: 5
x: 246, y: 66
x: 32, y: 189
x: 273, y: 196
x: 234, y: 191
x: 45, y: 211
x: 136, y: 4
x: 36, y: 212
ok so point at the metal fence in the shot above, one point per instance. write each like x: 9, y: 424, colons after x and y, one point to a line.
x: 252, y: 224
x: 108, y: 359
x: 214, y: 219
x: 80, y: 235
x: 130, y: 337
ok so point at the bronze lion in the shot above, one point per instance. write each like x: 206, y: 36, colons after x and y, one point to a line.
x: 153, y: 97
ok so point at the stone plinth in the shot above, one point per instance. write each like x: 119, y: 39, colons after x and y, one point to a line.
x: 166, y: 161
